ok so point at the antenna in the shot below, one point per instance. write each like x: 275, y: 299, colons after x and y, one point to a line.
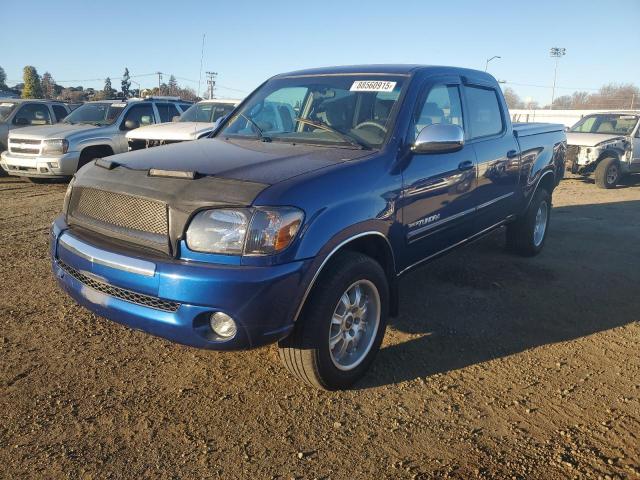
x: 201, y: 57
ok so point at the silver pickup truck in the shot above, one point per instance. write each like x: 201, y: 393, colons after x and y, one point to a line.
x: 94, y: 130
x: 19, y: 113
x: 606, y: 145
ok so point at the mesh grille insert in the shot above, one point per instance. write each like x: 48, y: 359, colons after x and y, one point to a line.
x: 120, y: 210
x: 121, y: 293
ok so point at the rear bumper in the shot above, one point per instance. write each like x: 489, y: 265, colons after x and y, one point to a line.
x: 45, y: 167
x: 174, y: 299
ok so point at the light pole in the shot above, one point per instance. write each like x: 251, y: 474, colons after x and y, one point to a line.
x: 486, y: 65
x: 556, y: 52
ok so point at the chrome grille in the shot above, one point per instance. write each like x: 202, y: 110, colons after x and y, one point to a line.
x: 121, y: 293
x: 116, y: 209
x: 25, y: 146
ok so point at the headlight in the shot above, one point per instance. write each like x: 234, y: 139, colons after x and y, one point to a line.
x: 55, y: 146
x: 243, y: 231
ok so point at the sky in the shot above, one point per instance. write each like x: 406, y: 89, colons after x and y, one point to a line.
x: 246, y: 42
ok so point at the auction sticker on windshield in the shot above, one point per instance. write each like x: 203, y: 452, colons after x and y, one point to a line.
x: 372, y: 86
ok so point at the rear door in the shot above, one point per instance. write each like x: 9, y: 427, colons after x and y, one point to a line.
x: 496, y: 151
x: 437, y: 205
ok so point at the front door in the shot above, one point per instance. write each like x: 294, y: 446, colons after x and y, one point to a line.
x: 437, y: 208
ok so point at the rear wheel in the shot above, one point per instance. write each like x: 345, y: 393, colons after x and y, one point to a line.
x: 526, y: 236
x: 342, y: 325
x: 608, y: 173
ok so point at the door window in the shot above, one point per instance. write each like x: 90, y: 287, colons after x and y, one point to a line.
x: 441, y: 105
x: 59, y: 111
x: 35, y: 114
x: 484, y: 112
x: 167, y: 111
x: 143, y: 114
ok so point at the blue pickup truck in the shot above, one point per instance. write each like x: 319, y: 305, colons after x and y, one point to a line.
x: 297, y: 231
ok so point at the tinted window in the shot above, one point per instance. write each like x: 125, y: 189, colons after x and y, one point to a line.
x: 98, y: 113
x: 167, y: 111
x: 143, y: 114
x: 483, y: 117
x: 60, y: 112
x: 441, y: 105
x: 35, y: 113
x: 185, y: 106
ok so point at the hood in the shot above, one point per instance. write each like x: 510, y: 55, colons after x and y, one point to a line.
x: 59, y: 130
x: 245, y: 160
x: 171, y: 131
x: 590, y: 139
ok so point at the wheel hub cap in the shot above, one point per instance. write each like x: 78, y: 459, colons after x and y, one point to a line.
x: 540, y: 226
x: 354, y: 324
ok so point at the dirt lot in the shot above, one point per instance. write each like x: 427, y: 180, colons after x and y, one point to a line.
x: 497, y: 367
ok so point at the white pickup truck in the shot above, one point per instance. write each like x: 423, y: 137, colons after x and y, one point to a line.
x: 197, y: 122
x: 606, y: 145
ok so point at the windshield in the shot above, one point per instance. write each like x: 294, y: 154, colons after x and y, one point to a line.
x: 96, y: 113
x: 329, y: 109
x: 206, y: 112
x: 5, y: 110
x: 610, y: 123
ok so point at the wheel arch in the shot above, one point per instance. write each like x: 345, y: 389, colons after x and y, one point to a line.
x: 373, y: 244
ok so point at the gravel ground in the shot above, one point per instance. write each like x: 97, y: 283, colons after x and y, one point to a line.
x: 497, y: 367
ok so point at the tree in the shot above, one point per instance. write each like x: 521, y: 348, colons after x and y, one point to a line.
x: 32, y: 87
x: 172, y: 87
x: 3, y: 80
x: 126, y: 84
x: 48, y: 85
x: 512, y: 98
x: 108, y: 91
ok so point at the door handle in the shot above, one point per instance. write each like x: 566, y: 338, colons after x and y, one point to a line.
x: 512, y: 153
x: 466, y: 165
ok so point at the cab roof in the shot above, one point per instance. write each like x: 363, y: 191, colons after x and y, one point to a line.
x: 388, y: 69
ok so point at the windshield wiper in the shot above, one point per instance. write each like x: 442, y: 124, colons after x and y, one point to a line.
x: 345, y: 136
x: 261, y: 134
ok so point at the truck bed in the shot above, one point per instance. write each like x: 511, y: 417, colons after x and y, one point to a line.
x: 528, y: 129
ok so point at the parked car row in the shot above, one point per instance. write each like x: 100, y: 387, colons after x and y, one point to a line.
x: 294, y: 219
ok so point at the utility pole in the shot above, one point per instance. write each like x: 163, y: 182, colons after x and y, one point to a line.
x: 211, y: 82
x: 486, y: 65
x: 556, y: 52
x: 159, y: 82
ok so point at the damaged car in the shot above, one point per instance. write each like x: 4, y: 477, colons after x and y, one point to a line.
x: 605, y: 145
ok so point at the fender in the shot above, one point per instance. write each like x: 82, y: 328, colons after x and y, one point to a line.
x: 322, y: 260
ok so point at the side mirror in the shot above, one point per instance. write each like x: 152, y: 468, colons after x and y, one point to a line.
x: 175, y: 118
x: 439, y: 138
x: 21, y: 121
x: 566, y: 129
x: 131, y: 125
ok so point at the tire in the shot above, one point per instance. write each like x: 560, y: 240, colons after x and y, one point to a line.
x: 306, y: 352
x: 608, y: 173
x: 523, y: 237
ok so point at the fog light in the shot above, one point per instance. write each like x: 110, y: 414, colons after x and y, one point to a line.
x: 223, y: 325
x: 54, y: 164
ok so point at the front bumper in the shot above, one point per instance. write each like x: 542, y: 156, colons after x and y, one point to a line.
x: 175, y: 298
x: 45, y: 167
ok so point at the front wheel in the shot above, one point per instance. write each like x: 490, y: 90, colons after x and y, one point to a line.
x: 526, y: 236
x: 608, y: 173
x: 342, y: 325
